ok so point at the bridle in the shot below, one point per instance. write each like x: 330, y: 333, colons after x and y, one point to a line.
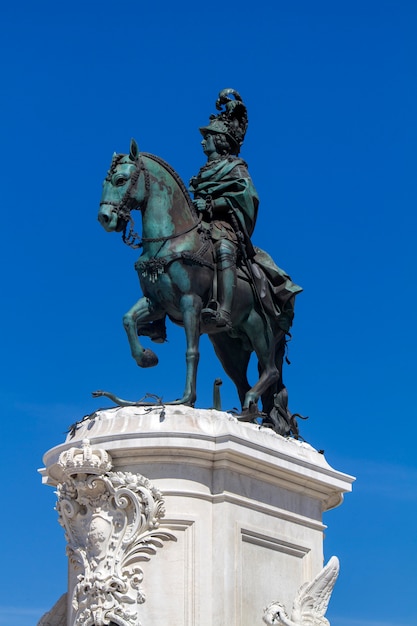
x: 124, y: 208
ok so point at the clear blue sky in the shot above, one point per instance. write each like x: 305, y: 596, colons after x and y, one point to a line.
x: 331, y: 93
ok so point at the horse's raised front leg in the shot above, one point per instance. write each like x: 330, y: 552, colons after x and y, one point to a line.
x: 191, y: 306
x: 138, y: 314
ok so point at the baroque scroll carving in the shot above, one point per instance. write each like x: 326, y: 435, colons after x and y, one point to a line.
x: 111, y: 520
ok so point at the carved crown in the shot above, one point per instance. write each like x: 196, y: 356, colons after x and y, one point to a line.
x: 85, y: 460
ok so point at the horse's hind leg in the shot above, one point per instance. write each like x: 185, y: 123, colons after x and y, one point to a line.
x: 138, y: 314
x: 269, y: 395
x: 235, y: 360
x: 263, y: 342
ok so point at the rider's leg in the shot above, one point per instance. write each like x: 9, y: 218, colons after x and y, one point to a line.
x: 226, y: 284
x: 226, y: 277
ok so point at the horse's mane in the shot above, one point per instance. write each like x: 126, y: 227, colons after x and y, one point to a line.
x: 176, y: 177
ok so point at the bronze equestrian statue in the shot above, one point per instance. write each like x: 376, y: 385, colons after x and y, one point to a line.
x: 199, y: 268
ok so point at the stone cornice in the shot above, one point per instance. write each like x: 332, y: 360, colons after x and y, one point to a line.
x: 210, y: 440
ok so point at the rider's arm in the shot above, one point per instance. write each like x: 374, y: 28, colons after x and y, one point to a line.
x: 220, y: 205
x: 213, y: 206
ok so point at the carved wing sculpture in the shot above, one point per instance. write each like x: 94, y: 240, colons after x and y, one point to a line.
x: 310, y: 603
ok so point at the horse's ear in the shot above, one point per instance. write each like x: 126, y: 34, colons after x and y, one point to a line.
x: 134, y: 150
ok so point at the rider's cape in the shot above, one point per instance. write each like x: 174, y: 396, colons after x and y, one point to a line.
x: 274, y: 287
x: 229, y: 179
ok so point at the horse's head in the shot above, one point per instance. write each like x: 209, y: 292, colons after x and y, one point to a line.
x: 120, y: 190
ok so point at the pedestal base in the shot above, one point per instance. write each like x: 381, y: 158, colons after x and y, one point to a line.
x: 243, y: 511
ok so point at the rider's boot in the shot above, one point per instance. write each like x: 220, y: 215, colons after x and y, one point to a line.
x: 220, y: 315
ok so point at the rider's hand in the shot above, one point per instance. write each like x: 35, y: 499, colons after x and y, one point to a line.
x: 200, y: 204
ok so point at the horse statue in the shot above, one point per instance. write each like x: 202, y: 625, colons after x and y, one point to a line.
x: 176, y: 270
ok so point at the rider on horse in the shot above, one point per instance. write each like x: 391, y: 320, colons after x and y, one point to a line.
x: 224, y: 193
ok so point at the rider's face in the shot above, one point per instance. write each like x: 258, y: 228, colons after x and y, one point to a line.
x: 209, y: 147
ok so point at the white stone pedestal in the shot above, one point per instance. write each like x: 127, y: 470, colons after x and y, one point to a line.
x: 243, y: 515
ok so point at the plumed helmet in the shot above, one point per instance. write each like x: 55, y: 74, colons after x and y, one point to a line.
x: 232, y: 120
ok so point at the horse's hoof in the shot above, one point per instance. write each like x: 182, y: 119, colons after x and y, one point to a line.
x: 149, y: 359
x: 249, y: 413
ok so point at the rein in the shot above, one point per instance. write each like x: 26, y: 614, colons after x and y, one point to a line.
x: 135, y: 241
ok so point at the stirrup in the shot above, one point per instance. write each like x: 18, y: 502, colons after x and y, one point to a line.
x: 216, y: 317
x: 209, y: 312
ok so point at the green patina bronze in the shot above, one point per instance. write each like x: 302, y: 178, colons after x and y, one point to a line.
x: 199, y: 268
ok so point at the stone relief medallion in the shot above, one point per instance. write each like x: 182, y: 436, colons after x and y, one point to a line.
x: 111, y: 521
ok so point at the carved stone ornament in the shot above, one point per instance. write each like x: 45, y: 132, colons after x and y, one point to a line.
x: 310, y: 603
x: 111, y: 522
